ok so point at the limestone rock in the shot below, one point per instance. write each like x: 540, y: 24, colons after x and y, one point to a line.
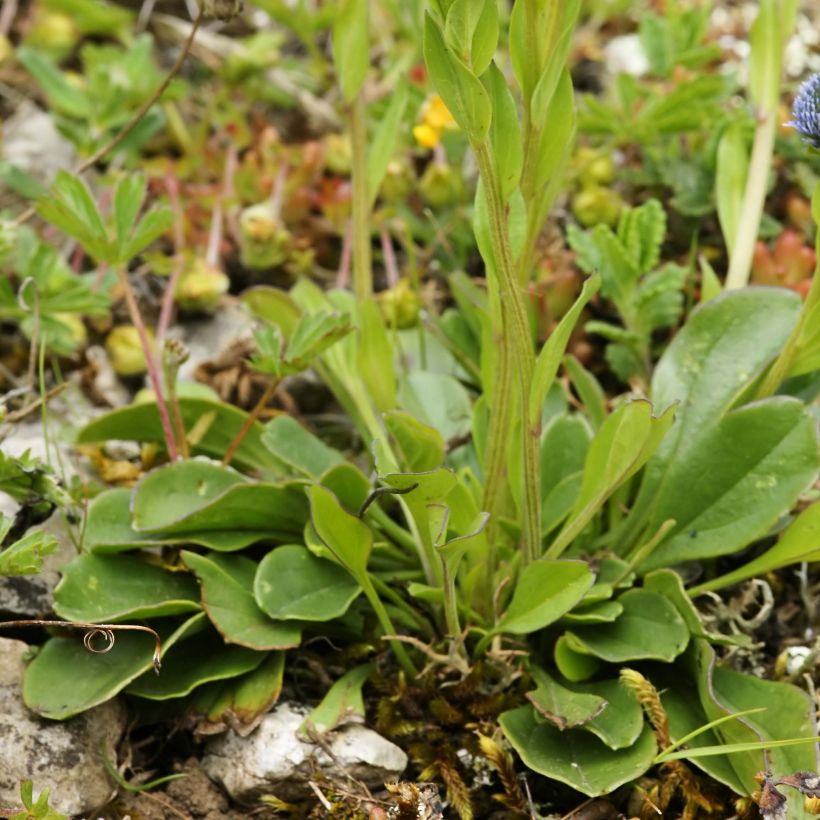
x: 275, y: 759
x: 63, y: 756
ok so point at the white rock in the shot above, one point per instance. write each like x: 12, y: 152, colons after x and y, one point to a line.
x: 625, y: 55
x: 62, y: 756
x: 274, y: 759
x: 32, y: 142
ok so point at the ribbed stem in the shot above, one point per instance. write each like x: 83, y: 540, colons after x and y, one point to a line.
x: 362, y: 269
x: 521, y: 359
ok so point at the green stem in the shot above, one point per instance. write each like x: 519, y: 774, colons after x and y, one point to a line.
x: 779, y: 371
x: 395, y: 532
x: 398, y: 601
x: 362, y: 269
x: 754, y: 199
x: 388, y: 628
x: 521, y: 358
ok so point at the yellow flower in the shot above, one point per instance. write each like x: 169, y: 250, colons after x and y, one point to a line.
x: 437, y: 115
x: 426, y: 136
x: 435, y: 118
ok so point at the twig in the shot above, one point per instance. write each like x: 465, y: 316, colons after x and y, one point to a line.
x: 249, y: 421
x: 17, y: 415
x: 94, y: 631
x: 135, y: 120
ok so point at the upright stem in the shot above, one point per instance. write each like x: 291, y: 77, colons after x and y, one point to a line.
x: 754, y: 199
x: 151, y: 364
x: 521, y: 359
x: 362, y: 270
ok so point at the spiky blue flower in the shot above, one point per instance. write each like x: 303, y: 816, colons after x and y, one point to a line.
x: 806, y: 111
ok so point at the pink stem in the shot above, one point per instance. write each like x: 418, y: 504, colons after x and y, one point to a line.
x: 151, y: 363
x: 390, y: 265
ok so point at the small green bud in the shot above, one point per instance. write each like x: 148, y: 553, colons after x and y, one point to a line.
x: 75, y: 327
x: 53, y: 31
x: 400, y: 305
x: 440, y: 186
x: 200, y: 287
x: 593, y: 167
x: 265, y: 242
x: 397, y: 183
x: 338, y: 154
x: 125, y: 351
x: 595, y: 205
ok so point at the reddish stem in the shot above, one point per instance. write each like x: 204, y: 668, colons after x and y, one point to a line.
x: 151, y: 363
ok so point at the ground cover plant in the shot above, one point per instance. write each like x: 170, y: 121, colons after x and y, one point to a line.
x: 568, y: 363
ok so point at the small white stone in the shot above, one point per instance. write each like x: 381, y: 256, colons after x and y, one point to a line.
x: 275, y: 759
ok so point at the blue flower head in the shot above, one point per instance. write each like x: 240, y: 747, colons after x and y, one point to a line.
x: 806, y: 111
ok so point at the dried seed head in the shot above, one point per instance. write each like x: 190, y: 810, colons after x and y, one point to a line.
x: 806, y: 111
x: 222, y: 9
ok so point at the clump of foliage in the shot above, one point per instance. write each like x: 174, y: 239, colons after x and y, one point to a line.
x: 493, y: 525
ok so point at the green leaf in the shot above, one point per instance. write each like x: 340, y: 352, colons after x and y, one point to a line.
x: 383, y: 144
x: 735, y: 481
x: 799, y: 542
x: 242, y: 702
x: 128, y: 198
x: 459, y: 88
x: 211, y: 427
x: 108, y: 529
x: 198, y: 495
x: 772, y: 27
x: 192, y: 662
x: 291, y: 583
x: 227, y: 583
x: 545, y: 591
x: 505, y: 132
x: 561, y: 706
x: 641, y: 231
x: 154, y: 223
x: 549, y: 359
x: 592, y: 395
x: 274, y: 306
x: 347, y: 537
x: 650, y: 628
x: 24, y: 556
x: 564, y: 445
x: 101, y: 588
x: 88, y: 679
x: 723, y: 348
x: 351, y: 46
x: 555, y: 141
x: 342, y: 701
x: 620, y: 724
x: 439, y: 401
x: 63, y: 96
x: 576, y: 757
x: 574, y: 666
x: 625, y: 442
x: 420, y: 447
x: 374, y: 356
x: 302, y: 451
x: 730, y: 181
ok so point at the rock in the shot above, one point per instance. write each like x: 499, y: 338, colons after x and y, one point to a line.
x: 625, y: 55
x: 32, y: 143
x: 276, y: 760
x: 30, y: 596
x: 61, y: 756
x: 206, y: 338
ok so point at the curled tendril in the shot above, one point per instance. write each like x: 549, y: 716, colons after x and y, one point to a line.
x: 88, y: 641
x: 95, y: 631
